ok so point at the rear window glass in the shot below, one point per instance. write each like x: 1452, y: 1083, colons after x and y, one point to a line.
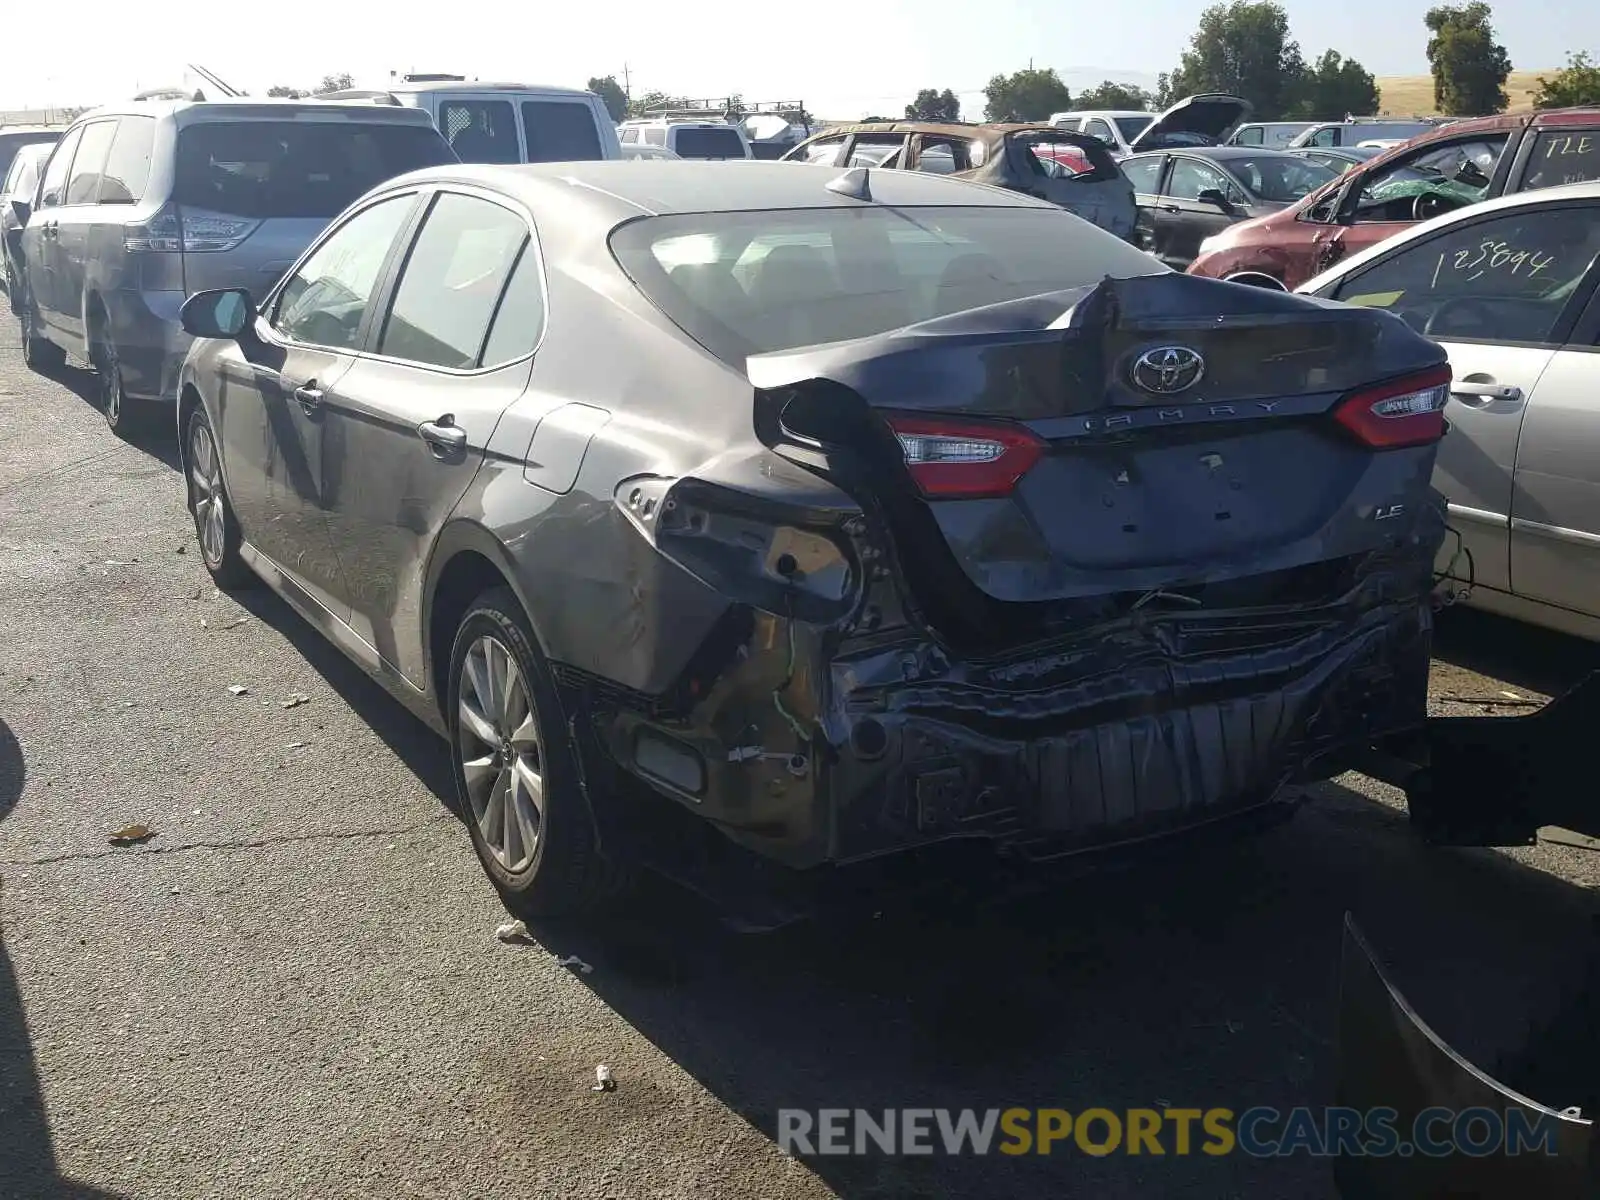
x: 560, y: 131
x: 268, y: 169
x: 1279, y: 177
x: 708, y: 143
x: 10, y: 143
x: 127, y: 167
x: 1557, y: 158
x: 1132, y: 127
x: 481, y: 131
x: 753, y: 282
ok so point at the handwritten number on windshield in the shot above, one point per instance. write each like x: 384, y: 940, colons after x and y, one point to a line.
x: 1494, y: 256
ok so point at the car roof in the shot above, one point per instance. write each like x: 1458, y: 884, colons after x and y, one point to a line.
x: 1220, y: 153
x: 195, y: 111
x: 989, y: 130
x: 465, y: 85
x: 1108, y: 112
x: 1536, y: 198
x: 627, y: 188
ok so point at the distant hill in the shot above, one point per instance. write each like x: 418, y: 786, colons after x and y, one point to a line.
x: 1412, y: 95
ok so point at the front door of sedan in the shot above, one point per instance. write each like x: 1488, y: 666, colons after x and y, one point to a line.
x: 271, y: 405
x: 1499, y: 294
x: 1555, y: 501
x: 406, y: 433
x: 1143, y: 171
x: 1190, y: 211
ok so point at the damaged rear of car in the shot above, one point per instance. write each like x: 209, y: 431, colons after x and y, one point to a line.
x: 1059, y: 565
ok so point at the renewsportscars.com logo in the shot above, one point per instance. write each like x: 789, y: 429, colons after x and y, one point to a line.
x: 1259, y: 1132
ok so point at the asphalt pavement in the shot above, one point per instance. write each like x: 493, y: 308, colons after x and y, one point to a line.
x: 294, y: 988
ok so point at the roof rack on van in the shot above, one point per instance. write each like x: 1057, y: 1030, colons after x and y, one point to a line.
x: 435, y: 78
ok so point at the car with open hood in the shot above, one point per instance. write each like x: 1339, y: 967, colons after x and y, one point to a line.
x: 1451, y: 165
x: 1073, y: 170
x: 743, y: 512
x: 1203, y: 119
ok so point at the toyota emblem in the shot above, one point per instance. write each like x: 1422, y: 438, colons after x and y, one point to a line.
x: 1167, y: 369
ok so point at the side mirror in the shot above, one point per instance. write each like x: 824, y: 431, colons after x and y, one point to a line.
x: 1212, y: 196
x: 218, y: 314
x: 23, y: 210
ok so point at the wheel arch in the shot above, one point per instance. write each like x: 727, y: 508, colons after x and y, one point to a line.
x: 1260, y: 279
x: 467, y: 561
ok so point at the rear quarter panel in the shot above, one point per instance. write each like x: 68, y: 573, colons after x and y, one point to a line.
x: 601, y: 599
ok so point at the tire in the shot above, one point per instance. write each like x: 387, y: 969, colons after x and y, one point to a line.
x: 520, y: 760
x: 38, y: 355
x: 124, y: 417
x: 215, y: 527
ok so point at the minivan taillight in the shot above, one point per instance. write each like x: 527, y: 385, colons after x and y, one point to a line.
x: 191, y: 233
x: 1403, y: 412
x: 956, y: 458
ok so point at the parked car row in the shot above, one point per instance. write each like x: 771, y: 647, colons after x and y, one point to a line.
x: 938, y: 509
x: 827, y: 586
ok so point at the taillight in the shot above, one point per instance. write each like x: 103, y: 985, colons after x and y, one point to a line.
x: 1402, y: 412
x: 955, y: 458
x: 194, y: 232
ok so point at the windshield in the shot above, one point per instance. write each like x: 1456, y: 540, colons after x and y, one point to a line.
x: 266, y: 169
x: 1279, y: 178
x: 690, y: 142
x: 753, y: 282
x: 1132, y: 127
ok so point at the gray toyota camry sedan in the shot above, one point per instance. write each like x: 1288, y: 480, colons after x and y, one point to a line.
x: 777, y: 516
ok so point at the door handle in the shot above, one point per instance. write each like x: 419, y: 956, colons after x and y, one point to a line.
x: 443, y: 436
x: 1169, y: 208
x: 1488, y: 391
x: 309, y: 397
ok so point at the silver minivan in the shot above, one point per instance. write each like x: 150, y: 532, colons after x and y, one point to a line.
x: 143, y: 204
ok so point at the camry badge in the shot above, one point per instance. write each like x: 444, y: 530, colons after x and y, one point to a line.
x: 1167, y: 369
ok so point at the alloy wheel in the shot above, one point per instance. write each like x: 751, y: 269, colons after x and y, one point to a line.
x: 500, y: 752
x: 205, y: 478
x: 110, y: 385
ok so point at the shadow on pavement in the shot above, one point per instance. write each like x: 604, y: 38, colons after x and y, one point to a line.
x: 423, y: 752
x: 1537, y: 659
x: 1209, y: 980
x: 155, y: 436
x: 27, y: 1156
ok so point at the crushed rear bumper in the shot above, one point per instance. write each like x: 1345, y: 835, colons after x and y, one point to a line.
x: 810, y: 752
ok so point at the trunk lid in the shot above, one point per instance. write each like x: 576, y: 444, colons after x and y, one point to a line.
x: 1209, y: 115
x: 1242, y: 466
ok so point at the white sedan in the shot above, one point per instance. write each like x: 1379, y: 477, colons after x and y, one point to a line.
x: 1508, y: 288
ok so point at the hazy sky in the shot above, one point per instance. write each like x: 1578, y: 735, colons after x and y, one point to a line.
x: 843, y: 59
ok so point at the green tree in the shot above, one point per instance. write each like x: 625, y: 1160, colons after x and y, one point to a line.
x: 1243, y: 48
x: 285, y: 93
x: 1115, y: 97
x: 1028, y: 95
x: 1575, y: 84
x: 931, y: 105
x: 642, y: 105
x: 611, y: 93
x: 334, y: 83
x: 1469, y: 66
x: 1335, y: 87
